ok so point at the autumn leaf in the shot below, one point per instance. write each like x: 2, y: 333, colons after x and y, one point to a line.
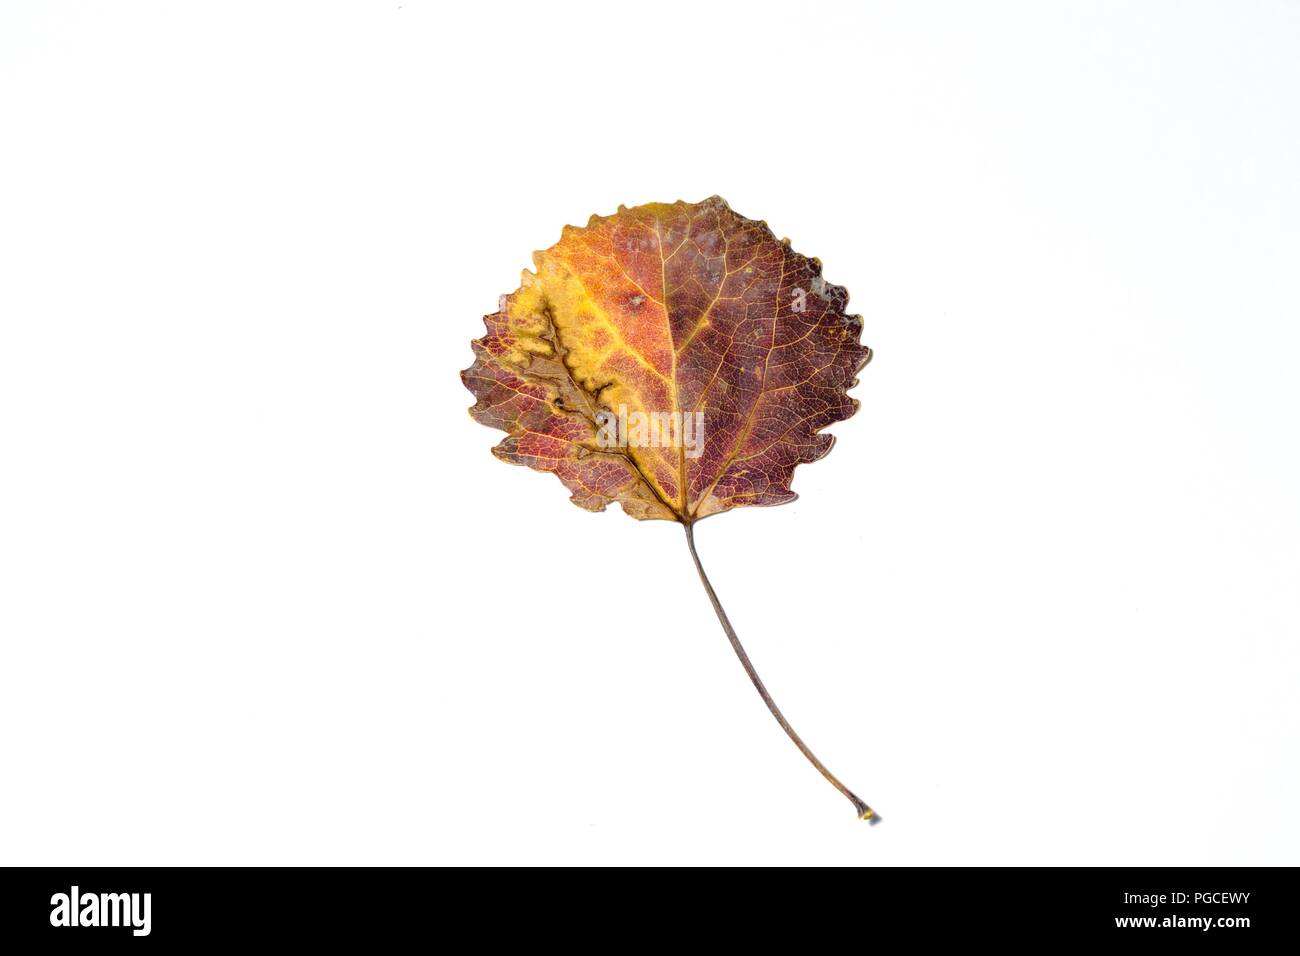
x: 677, y: 359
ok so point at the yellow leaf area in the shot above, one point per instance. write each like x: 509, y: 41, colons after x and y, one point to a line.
x: 680, y: 313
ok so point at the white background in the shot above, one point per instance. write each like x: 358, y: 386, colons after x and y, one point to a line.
x: 268, y: 598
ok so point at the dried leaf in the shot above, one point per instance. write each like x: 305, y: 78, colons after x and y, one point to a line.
x: 677, y: 359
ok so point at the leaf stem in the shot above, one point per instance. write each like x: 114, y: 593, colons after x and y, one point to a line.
x: 864, y: 812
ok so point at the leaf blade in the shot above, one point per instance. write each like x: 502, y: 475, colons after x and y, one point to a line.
x: 676, y: 308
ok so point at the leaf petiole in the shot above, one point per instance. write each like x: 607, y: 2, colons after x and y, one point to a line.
x: 864, y: 812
